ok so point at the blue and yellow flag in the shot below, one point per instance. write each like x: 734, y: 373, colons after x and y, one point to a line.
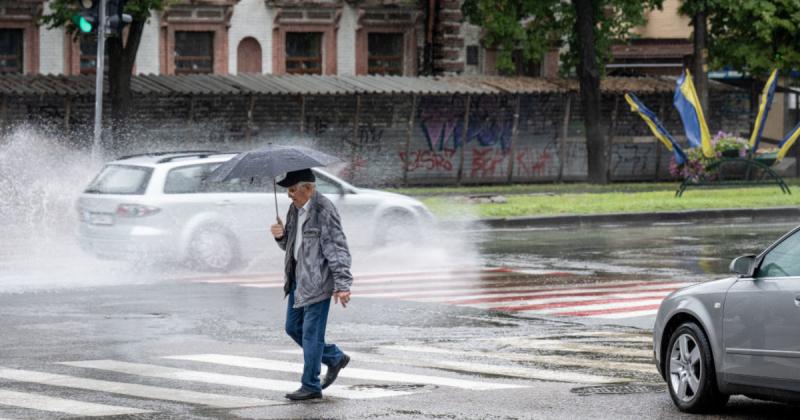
x: 764, y: 103
x: 788, y: 141
x: 694, y: 122
x: 656, y: 127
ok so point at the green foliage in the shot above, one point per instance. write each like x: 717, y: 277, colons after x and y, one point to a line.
x: 753, y: 36
x: 62, y: 11
x: 535, y: 26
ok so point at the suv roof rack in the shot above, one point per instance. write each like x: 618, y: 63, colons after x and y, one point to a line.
x: 186, y: 155
x: 172, y: 152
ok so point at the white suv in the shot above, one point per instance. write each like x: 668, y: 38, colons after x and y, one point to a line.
x: 157, y: 207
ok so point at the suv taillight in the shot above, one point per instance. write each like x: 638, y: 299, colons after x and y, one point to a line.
x: 136, y: 210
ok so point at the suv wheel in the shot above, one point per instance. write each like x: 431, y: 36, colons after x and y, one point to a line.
x: 396, y: 227
x: 213, y: 248
x: 691, y: 376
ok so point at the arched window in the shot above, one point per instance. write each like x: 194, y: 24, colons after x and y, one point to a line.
x: 248, y: 56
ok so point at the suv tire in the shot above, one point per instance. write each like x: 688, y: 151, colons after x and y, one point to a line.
x: 213, y: 248
x: 396, y: 226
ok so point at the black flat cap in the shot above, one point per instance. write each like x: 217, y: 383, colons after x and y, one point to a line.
x: 294, y: 177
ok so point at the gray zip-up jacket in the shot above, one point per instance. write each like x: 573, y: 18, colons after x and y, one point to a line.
x: 323, y: 266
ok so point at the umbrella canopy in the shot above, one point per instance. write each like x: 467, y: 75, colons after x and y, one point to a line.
x: 269, y: 162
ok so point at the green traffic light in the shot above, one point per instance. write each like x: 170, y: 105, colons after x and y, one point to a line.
x: 85, y: 25
x: 82, y: 23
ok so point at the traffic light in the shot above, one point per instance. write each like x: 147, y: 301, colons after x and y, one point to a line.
x: 116, y: 18
x: 87, y: 16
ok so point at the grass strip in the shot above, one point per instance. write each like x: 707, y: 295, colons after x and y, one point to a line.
x: 551, y: 188
x: 450, y: 207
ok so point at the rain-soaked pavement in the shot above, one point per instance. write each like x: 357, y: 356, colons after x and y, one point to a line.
x: 487, y: 324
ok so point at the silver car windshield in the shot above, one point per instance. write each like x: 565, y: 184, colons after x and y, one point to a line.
x: 120, y: 179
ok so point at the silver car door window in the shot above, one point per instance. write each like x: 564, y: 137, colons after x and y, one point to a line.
x: 783, y: 260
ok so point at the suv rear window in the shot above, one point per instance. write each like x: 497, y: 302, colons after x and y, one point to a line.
x: 121, y: 179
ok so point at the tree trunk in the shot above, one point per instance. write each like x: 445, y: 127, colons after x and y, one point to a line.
x: 700, y: 69
x: 589, y: 76
x: 121, y: 58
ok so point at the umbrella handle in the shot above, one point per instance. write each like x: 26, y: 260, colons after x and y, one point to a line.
x: 275, y: 193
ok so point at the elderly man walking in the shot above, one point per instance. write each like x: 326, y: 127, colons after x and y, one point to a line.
x: 317, y: 267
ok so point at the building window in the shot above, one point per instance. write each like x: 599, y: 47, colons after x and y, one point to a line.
x: 304, y: 52
x: 194, y: 52
x: 385, y: 53
x: 88, y: 55
x: 472, y: 55
x: 11, y: 50
x: 248, y: 56
x: 525, y: 67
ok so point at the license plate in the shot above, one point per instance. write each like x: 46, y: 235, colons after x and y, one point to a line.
x: 101, y: 219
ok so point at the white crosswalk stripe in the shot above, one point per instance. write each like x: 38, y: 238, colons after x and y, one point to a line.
x: 571, y: 347
x: 165, y: 372
x: 538, y: 358
x: 627, y: 355
x: 487, y: 369
x: 61, y: 405
x: 581, y: 357
x: 505, y: 290
x: 350, y: 372
x: 135, y: 390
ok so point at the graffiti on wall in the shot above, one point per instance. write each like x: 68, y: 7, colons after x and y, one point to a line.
x: 528, y: 161
x: 368, y: 140
x: 316, y: 125
x: 368, y: 137
x: 429, y: 160
x: 491, y: 121
x: 532, y: 162
x: 632, y: 159
x: 485, y: 162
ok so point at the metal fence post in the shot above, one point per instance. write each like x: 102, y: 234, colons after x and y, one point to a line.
x: 463, y: 145
x: 408, y: 138
x: 514, y: 131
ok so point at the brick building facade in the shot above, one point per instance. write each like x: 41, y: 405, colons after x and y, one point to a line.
x: 330, y: 37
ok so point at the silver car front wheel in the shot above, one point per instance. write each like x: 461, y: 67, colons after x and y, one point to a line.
x: 213, y: 249
x: 691, y: 376
x: 685, y: 367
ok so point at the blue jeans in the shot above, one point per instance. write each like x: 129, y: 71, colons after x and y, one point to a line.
x: 306, y: 326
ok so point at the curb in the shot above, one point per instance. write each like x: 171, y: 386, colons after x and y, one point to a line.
x: 577, y: 220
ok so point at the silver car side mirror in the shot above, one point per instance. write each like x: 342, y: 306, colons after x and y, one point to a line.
x: 743, y: 266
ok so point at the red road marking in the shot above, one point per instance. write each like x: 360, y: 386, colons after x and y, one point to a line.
x: 574, y: 303
x: 608, y: 311
x: 553, y: 295
x: 259, y: 278
x: 459, y: 291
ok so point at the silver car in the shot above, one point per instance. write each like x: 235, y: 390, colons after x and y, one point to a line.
x: 157, y: 207
x: 739, y: 335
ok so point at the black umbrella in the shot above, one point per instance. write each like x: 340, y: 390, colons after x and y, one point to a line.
x: 269, y: 162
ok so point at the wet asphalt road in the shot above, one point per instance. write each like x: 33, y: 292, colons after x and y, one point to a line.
x: 57, y: 307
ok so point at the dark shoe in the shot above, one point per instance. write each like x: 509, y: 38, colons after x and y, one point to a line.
x: 303, y: 394
x: 333, y: 371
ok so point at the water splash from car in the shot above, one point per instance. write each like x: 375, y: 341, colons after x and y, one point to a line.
x: 41, y: 178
